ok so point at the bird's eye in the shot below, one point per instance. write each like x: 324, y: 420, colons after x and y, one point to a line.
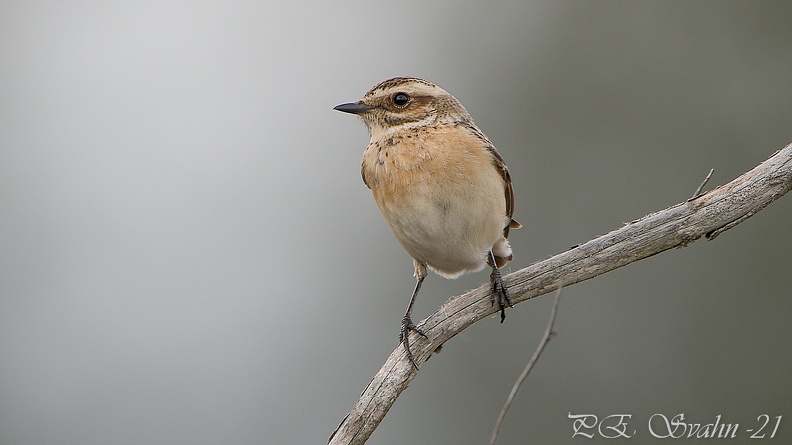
x: 400, y: 99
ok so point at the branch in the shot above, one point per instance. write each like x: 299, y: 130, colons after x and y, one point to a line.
x: 548, y: 335
x: 697, y: 193
x: 707, y: 215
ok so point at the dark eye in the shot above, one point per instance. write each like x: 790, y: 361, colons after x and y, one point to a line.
x: 400, y: 99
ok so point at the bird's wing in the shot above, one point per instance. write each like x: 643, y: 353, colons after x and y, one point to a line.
x: 500, y: 165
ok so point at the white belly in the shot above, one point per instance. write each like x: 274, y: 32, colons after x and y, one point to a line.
x: 452, y: 231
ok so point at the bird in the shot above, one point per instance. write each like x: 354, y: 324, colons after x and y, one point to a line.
x: 444, y: 190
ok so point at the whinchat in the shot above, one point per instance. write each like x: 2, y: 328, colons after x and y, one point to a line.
x: 443, y: 188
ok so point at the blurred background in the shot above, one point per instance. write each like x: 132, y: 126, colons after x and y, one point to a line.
x: 188, y: 253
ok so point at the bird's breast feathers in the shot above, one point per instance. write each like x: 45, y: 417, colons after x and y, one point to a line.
x: 441, y: 194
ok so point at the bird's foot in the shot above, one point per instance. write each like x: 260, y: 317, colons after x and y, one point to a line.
x: 404, y: 336
x: 499, y: 292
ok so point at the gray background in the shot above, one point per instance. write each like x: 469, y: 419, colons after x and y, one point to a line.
x: 188, y: 253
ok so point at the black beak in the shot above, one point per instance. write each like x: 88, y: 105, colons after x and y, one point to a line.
x: 353, y: 107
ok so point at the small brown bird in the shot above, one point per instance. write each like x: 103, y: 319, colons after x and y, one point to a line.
x: 443, y: 188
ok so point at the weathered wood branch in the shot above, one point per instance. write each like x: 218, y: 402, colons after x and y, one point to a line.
x: 707, y: 215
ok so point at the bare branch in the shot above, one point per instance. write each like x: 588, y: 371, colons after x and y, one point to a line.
x: 708, y: 215
x: 548, y: 335
x: 697, y: 193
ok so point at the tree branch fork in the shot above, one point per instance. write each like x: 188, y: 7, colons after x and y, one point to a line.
x: 704, y: 215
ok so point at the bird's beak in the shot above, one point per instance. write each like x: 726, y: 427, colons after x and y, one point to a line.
x: 354, y: 107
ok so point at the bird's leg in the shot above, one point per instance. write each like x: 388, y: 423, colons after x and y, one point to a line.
x: 498, y: 290
x: 407, y: 324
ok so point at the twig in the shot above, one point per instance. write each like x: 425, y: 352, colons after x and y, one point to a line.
x: 548, y: 335
x: 710, y: 214
x: 697, y: 193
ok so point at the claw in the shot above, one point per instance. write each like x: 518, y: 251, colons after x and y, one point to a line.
x: 404, y: 337
x: 499, y: 292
